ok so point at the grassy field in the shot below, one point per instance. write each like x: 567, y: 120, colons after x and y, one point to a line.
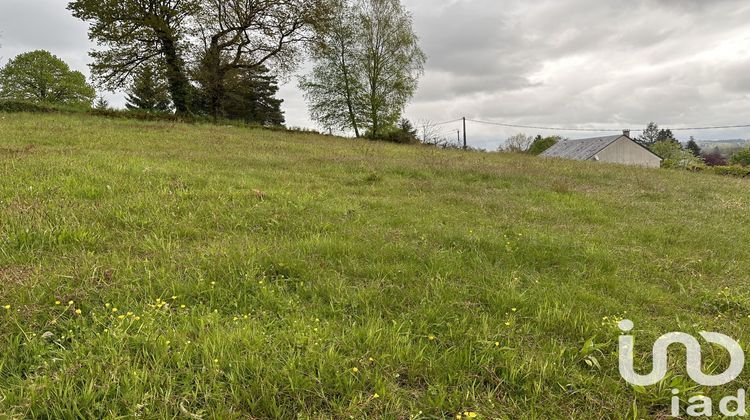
x: 166, y: 270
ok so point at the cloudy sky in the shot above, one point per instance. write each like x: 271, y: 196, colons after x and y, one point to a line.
x: 561, y: 63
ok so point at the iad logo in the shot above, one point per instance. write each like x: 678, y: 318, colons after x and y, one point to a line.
x: 703, y: 406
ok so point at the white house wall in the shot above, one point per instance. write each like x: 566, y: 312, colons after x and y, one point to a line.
x: 626, y: 152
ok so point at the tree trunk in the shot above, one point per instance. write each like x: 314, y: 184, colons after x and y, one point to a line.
x: 176, y: 78
x: 347, y: 87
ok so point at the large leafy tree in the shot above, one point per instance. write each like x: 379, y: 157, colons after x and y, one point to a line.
x: 138, y: 32
x: 367, y: 67
x: 148, y: 91
x: 334, y: 89
x: 217, y: 36
x: 241, y: 36
x: 39, y: 76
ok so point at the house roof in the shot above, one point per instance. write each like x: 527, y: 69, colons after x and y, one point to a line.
x: 582, y: 149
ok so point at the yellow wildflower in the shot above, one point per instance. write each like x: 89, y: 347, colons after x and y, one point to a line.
x: 376, y: 396
x: 355, y: 370
x: 7, y: 307
x: 431, y: 338
x: 57, y: 302
x: 78, y: 311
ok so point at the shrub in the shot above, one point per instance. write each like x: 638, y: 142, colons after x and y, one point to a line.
x: 742, y: 157
x: 541, y: 144
x: 715, y: 159
x: 675, y: 156
x: 735, y: 171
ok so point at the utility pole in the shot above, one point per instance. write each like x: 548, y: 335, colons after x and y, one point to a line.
x: 458, y: 135
x: 465, y: 145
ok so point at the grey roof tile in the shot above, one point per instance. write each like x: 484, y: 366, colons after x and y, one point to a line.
x: 582, y: 149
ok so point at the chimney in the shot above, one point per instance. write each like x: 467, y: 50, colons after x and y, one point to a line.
x: 626, y: 133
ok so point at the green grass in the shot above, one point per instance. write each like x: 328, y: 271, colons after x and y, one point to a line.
x: 261, y: 274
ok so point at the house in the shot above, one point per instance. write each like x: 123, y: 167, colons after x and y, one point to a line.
x: 612, y: 149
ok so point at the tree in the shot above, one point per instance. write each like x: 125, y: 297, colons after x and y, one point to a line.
x: 335, y: 87
x: 137, y: 32
x: 39, y: 76
x: 650, y: 134
x: 251, y: 97
x: 101, y: 104
x: 541, y: 144
x: 148, y: 92
x: 692, y: 145
x: 666, y: 135
x: 741, y: 158
x: 367, y: 67
x: 249, y: 34
x: 392, y: 60
x: 518, y: 143
x: 675, y: 156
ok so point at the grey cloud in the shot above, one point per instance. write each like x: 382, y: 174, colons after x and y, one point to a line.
x: 589, y: 63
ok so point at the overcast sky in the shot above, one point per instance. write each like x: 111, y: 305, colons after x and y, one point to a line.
x: 562, y: 63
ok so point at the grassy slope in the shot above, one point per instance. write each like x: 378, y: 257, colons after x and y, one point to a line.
x: 300, y: 258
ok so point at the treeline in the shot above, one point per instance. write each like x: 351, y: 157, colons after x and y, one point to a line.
x: 661, y: 142
x: 223, y: 59
x: 691, y: 157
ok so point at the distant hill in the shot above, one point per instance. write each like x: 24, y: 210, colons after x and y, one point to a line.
x: 723, y: 144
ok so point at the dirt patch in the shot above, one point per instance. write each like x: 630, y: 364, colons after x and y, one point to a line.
x: 14, y: 276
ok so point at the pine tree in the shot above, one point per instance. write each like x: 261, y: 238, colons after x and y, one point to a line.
x: 101, y: 104
x: 250, y: 96
x: 148, y: 92
x: 694, y: 148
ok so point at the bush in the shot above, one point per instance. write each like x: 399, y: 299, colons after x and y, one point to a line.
x: 542, y: 144
x: 742, y: 157
x: 715, y: 159
x: 676, y: 157
x: 734, y: 171
x: 23, y: 106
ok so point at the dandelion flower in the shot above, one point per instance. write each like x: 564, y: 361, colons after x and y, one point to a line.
x: 376, y: 396
x: 182, y: 306
x: 355, y: 370
x: 514, y: 309
x: 78, y: 311
x: 497, y: 344
x: 71, y: 303
x: 470, y: 414
x: 7, y: 307
x: 507, y: 324
x: 121, y: 317
x: 431, y: 338
x: 114, y: 310
x: 57, y: 302
x: 137, y: 318
x: 174, y: 297
x: 216, y: 360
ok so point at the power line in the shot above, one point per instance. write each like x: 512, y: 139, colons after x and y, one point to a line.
x: 444, y: 123
x: 604, y: 130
